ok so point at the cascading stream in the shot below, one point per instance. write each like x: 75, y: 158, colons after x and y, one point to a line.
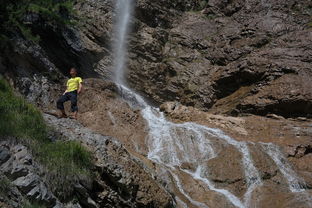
x: 171, y: 145
x: 295, y: 183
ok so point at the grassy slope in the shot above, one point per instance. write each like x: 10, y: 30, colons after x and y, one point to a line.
x: 64, y: 162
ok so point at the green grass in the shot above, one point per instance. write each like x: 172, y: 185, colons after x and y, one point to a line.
x: 64, y: 162
x: 18, y: 118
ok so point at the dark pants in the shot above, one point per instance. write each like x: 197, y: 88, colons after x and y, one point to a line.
x: 72, y: 96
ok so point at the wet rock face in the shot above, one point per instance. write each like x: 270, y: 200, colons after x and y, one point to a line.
x: 261, y: 135
x: 203, y: 58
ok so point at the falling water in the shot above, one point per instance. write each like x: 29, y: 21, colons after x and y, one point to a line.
x: 124, y: 10
x: 170, y: 144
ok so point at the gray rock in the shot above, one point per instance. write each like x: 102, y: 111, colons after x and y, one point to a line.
x: 71, y: 205
x: 91, y: 203
x: 4, y: 155
x: 274, y: 116
x: 82, y: 191
x: 26, y: 183
x: 58, y: 205
x: 18, y: 170
x: 6, y: 168
x: 41, y: 194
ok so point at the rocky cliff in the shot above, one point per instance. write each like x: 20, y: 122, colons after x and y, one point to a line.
x: 230, y: 57
x: 215, y: 60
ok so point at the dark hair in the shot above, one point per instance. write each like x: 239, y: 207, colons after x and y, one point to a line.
x: 73, y: 68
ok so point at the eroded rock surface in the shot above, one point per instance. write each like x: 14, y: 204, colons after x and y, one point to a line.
x: 204, y: 58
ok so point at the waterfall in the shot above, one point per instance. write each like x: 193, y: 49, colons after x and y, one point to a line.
x: 124, y: 10
x: 170, y: 145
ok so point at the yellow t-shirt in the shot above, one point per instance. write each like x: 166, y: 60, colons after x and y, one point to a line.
x: 73, y: 84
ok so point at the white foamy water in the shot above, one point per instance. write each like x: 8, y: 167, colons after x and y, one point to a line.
x: 181, y: 189
x: 171, y: 145
x: 295, y: 183
x: 174, y: 144
x: 180, y: 202
x: 231, y: 197
x: 133, y: 99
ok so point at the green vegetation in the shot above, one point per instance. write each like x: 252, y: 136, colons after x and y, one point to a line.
x: 211, y: 16
x: 19, y: 118
x: 32, y: 205
x: 203, y: 4
x: 65, y: 162
x: 200, y: 5
x: 5, y: 185
x: 15, y: 15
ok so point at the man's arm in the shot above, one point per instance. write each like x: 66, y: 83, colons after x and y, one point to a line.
x: 79, y: 87
x: 65, y: 90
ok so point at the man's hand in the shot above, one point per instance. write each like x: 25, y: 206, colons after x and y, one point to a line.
x: 65, y: 92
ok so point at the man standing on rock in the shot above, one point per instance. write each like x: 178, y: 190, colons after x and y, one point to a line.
x: 74, y: 86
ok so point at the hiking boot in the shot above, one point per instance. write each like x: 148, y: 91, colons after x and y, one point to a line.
x: 73, y: 117
x: 62, y: 115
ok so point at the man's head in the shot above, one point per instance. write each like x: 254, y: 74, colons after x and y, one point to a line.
x: 73, y: 72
